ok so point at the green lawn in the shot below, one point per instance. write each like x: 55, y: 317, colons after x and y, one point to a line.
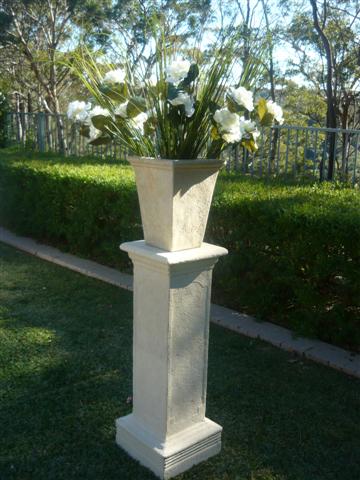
x: 65, y: 375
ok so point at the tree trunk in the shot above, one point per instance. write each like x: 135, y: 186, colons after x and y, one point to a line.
x: 330, y: 97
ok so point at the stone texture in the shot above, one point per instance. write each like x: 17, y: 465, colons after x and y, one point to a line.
x: 168, y: 431
x: 175, y: 198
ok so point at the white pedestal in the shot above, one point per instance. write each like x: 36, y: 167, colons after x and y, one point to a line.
x: 168, y: 431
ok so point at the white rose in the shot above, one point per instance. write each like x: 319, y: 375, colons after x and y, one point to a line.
x: 139, y: 120
x: 242, y: 97
x: 78, y: 111
x: 114, y: 76
x: 229, y: 125
x: 275, y: 110
x: 177, y: 71
x: 186, y: 100
x: 121, y: 110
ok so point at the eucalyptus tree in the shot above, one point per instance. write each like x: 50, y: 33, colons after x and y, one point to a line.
x: 325, y: 35
x: 35, y: 35
x: 181, y: 22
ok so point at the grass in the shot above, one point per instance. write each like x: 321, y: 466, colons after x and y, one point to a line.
x: 65, y: 375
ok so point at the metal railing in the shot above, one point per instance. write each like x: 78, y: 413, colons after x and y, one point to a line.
x: 46, y: 132
x: 284, y: 150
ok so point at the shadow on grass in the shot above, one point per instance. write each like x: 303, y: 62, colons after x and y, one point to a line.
x: 66, y: 375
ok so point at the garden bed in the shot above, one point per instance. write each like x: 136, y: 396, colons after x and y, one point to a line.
x: 294, y: 248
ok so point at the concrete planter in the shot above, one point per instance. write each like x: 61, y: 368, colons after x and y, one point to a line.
x: 175, y: 198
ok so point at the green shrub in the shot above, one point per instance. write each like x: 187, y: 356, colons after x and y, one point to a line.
x: 294, y: 249
x: 4, y: 108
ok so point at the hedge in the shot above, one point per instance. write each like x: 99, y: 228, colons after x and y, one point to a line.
x: 294, y: 249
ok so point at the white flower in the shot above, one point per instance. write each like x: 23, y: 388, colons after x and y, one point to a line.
x: 114, y: 76
x: 232, y: 136
x: 248, y: 127
x: 78, y: 111
x: 177, y: 70
x: 229, y: 125
x: 186, y: 100
x: 249, y: 130
x: 242, y: 97
x: 121, y: 110
x: 275, y: 110
x: 94, y: 133
x: 139, y: 120
x: 99, y: 111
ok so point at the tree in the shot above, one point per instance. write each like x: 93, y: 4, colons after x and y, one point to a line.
x: 36, y: 35
x: 326, y: 36
x: 180, y: 21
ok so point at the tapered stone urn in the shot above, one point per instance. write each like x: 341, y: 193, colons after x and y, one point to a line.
x: 175, y: 198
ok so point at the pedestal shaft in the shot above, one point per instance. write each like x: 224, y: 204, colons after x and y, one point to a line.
x: 171, y: 325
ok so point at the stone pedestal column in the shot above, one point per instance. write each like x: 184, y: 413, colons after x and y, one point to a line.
x: 167, y: 430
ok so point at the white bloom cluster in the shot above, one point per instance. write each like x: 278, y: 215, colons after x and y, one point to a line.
x: 139, y: 120
x: 97, y: 110
x: 78, y: 111
x: 114, y: 76
x: 229, y: 125
x: 233, y: 128
x: 121, y: 110
x: 184, y: 99
x: 275, y: 110
x: 249, y: 128
x: 94, y: 133
x: 242, y: 97
x: 177, y: 71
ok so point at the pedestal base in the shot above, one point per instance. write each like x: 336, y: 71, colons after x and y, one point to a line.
x: 178, y: 453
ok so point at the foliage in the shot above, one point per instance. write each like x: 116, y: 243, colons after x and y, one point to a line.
x: 4, y: 108
x: 303, y: 105
x: 294, y: 249
x: 35, y: 36
x: 340, y: 24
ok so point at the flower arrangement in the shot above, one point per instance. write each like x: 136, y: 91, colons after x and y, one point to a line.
x: 178, y: 112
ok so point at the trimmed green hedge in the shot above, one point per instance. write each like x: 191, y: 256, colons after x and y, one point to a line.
x: 294, y: 249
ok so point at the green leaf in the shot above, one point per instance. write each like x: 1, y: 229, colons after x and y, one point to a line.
x: 135, y: 106
x: 267, y: 120
x: 213, y: 106
x: 102, y: 122
x: 191, y: 76
x: 250, y: 145
x: 233, y: 106
x: 150, y: 126
x: 172, y: 92
x: 214, y: 133
x: 103, y: 140
x: 118, y: 92
x: 262, y: 108
x: 85, y: 131
x: 175, y: 115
